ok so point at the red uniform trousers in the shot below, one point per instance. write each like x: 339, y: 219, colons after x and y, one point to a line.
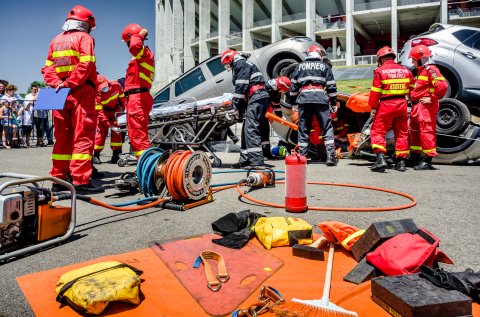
x: 74, y: 136
x: 138, y: 112
x: 106, y: 119
x: 423, y: 128
x: 391, y: 114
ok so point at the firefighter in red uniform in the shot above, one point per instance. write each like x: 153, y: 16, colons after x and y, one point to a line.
x: 391, y: 83
x: 138, y: 81
x: 430, y: 86
x: 110, y: 100
x: 71, y: 63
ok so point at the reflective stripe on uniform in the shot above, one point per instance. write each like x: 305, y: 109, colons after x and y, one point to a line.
x: 293, y: 93
x: 376, y: 89
x: 329, y: 142
x: 145, y: 77
x: 254, y: 149
x: 139, y: 55
x: 332, y: 94
x: 238, y: 96
x: 98, y: 107
x: 330, y: 82
x: 242, y: 81
x: 87, y: 58
x: 65, y: 53
x: 402, y: 152
x: 98, y: 147
x: 148, y: 67
x: 254, y: 75
x: 138, y: 153
x: 61, y: 157
x: 396, y: 81
x: 395, y: 92
x: 61, y: 69
x: 302, y: 144
x: 116, y: 143
x: 311, y: 78
x: 310, y: 90
x: 110, y: 99
x: 48, y: 63
x: 431, y: 150
x: 81, y: 157
x: 378, y: 146
x: 422, y: 78
x: 415, y: 148
x: 438, y: 78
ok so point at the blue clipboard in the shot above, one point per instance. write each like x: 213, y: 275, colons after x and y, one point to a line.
x: 48, y: 99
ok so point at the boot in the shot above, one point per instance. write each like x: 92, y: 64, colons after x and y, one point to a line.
x: 267, y: 153
x: 96, y: 158
x: 88, y: 189
x: 400, y: 166
x: 115, y: 156
x: 425, y: 164
x: 96, y: 173
x: 332, y: 159
x: 414, y: 159
x: 380, y: 164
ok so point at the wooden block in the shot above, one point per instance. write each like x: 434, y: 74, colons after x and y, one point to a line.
x: 362, y: 272
x: 413, y: 296
x: 378, y: 232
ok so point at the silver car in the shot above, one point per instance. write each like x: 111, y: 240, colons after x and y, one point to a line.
x: 456, y: 51
x: 209, y: 78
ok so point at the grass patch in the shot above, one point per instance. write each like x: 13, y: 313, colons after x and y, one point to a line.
x: 354, y: 85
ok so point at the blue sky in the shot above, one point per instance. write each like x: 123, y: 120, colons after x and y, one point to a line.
x: 29, y: 26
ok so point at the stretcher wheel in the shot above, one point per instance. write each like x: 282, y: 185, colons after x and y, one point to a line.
x: 217, y: 162
x: 122, y: 162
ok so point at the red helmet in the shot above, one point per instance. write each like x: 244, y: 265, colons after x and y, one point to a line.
x: 314, y: 51
x: 227, y: 56
x: 385, y: 51
x: 130, y: 30
x: 81, y: 13
x: 283, y: 84
x: 102, y: 81
x: 419, y: 51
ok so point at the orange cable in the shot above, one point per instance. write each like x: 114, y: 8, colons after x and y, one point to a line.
x: 152, y: 204
x: 363, y: 209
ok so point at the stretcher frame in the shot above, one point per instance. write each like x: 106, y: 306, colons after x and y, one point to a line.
x: 202, y: 123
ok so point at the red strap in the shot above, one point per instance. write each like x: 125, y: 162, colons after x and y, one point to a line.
x: 255, y: 88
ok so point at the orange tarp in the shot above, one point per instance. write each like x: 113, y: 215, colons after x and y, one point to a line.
x: 358, y: 102
x: 165, y: 296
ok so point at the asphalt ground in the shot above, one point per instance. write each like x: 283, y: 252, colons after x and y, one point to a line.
x: 448, y: 206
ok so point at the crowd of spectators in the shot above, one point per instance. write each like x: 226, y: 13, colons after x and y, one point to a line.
x: 20, y: 123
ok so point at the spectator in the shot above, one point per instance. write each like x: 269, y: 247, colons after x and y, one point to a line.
x: 42, y: 124
x: 3, y: 84
x: 26, y: 114
x: 8, y: 115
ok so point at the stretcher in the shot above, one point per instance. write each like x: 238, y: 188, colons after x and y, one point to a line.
x: 187, y: 123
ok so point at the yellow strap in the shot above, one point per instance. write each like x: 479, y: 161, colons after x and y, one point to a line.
x: 396, y: 81
x: 145, y: 77
x: 376, y: 89
x: 139, y: 55
x: 377, y: 146
x: 81, y: 157
x: 48, y: 63
x: 98, y: 147
x: 110, y: 99
x: 65, y: 53
x: 87, y: 58
x: 62, y: 69
x: 61, y: 157
x: 116, y: 143
x: 352, y: 236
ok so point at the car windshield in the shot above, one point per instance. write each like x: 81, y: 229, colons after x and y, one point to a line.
x: 191, y: 80
x: 466, y: 36
x: 162, y: 97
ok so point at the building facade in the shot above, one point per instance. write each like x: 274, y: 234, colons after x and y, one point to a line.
x: 190, y: 31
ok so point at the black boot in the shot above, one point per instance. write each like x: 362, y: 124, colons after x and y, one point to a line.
x: 267, y: 152
x: 96, y: 158
x: 332, y: 159
x: 380, y: 164
x: 414, y: 159
x: 400, y: 166
x: 115, y: 156
x: 95, y: 172
x: 88, y: 189
x: 425, y: 164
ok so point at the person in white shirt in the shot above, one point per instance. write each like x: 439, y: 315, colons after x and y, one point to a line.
x: 25, y: 115
x: 8, y: 115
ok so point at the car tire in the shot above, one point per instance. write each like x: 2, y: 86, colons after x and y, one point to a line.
x: 453, y: 116
x: 281, y: 65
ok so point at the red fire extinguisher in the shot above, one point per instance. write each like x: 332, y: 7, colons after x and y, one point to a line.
x: 296, y: 183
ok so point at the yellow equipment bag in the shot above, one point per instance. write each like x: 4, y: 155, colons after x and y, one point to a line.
x: 282, y: 231
x: 89, y: 289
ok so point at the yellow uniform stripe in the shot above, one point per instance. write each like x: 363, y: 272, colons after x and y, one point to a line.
x: 376, y: 89
x: 48, y: 63
x: 110, y: 99
x: 116, y: 144
x: 65, y: 53
x: 138, y: 153
x: 415, y: 148
x: 87, y: 58
x: 395, y: 92
x: 147, y: 66
x: 98, y: 107
x: 81, y: 157
x: 61, y: 157
x: 438, y: 78
x: 431, y: 150
x: 402, y: 152
x: 377, y: 146
x: 142, y: 75
x: 98, y: 147
x: 396, y: 81
x: 62, y: 69
x: 140, y: 54
x: 422, y: 78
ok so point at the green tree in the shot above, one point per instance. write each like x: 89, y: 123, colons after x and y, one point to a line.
x: 39, y: 84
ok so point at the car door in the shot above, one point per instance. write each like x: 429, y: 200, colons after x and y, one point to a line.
x: 196, y: 83
x: 222, y: 80
x: 467, y: 58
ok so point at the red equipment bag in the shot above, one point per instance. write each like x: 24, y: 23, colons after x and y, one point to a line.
x: 406, y: 252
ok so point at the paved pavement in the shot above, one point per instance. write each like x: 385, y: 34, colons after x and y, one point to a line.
x: 448, y: 206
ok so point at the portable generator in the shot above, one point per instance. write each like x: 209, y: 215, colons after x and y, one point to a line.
x: 28, y: 219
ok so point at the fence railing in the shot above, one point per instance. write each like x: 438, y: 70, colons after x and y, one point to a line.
x: 234, y: 38
x: 372, y: 5
x: 365, y: 60
x: 262, y: 22
x: 411, y: 2
x: 293, y: 17
x: 459, y: 13
x: 326, y: 24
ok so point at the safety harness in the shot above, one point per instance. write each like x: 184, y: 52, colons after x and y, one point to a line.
x: 214, y: 282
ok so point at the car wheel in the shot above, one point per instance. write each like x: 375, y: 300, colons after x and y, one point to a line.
x: 453, y: 116
x: 281, y: 65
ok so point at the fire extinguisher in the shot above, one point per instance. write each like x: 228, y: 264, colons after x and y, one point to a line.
x: 296, y: 183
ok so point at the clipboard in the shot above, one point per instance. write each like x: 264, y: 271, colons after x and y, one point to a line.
x: 48, y: 99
